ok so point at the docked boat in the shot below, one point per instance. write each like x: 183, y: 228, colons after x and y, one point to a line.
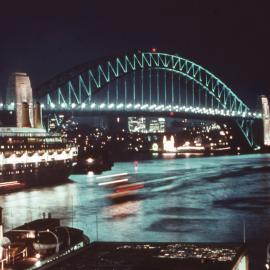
x: 40, y: 159
x: 29, y: 155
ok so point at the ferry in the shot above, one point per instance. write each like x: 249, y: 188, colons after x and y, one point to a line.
x: 29, y: 155
x: 39, y: 244
x: 32, y: 156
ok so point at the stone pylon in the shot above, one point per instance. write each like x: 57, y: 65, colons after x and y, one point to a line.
x: 19, y: 93
x: 266, y: 119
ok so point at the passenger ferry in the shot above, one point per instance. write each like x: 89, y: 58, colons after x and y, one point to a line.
x: 32, y: 156
x: 29, y: 155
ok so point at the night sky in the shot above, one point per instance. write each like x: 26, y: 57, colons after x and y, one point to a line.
x: 230, y: 38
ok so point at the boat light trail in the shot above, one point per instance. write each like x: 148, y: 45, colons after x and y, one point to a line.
x: 113, y: 182
x: 112, y: 175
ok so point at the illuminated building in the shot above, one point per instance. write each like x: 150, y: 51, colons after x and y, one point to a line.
x: 146, y: 125
x: 155, y: 147
x: 156, y: 125
x: 137, y: 124
x: 168, y: 145
x: 266, y: 120
x: 192, y: 256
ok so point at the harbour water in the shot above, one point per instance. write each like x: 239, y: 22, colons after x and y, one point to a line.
x: 202, y: 199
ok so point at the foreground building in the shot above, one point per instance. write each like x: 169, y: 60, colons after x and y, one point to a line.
x: 186, y: 256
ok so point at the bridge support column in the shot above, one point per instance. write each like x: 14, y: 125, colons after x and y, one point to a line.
x: 266, y: 120
x: 20, y: 93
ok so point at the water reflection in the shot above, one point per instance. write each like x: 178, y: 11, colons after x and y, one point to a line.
x: 189, y: 199
x: 24, y: 206
x: 121, y: 210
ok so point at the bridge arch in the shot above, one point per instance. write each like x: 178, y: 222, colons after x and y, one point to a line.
x: 77, y: 86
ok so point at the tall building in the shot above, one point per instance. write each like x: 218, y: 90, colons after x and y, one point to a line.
x: 266, y: 119
x: 146, y: 124
x: 137, y: 124
x: 19, y: 93
x: 156, y: 125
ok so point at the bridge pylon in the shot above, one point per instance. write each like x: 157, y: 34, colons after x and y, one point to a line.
x: 264, y: 103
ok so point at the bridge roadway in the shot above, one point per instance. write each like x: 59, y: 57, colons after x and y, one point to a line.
x: 221, y: 116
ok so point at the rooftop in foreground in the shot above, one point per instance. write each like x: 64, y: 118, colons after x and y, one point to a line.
x: 188, y: 256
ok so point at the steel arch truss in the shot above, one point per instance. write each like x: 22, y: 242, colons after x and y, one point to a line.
x: 78, y: 85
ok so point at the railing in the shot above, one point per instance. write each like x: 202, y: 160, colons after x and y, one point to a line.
x: 43, y: 264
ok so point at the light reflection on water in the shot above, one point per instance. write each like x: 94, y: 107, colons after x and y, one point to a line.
x: 189, y: 199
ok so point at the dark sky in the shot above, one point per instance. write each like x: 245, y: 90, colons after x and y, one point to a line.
x: 230, y: 38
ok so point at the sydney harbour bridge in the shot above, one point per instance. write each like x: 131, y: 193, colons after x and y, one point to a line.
x: 147, y: 83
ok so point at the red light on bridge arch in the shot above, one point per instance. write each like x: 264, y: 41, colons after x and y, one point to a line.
x: 171, y: 113
x: 154, y: 50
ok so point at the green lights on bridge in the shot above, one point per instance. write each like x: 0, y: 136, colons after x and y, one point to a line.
x: 149, y: 81
x: 156, y: 108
